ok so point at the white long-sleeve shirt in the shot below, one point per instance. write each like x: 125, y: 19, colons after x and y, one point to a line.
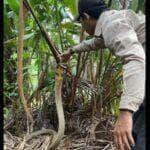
x: 123, y: 32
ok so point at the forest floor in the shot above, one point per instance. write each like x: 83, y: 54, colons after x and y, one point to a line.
x: 83, y: 131
x: 92, y: 134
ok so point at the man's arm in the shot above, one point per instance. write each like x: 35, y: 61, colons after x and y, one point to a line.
x: 85, y: 46
x: 89, y: 45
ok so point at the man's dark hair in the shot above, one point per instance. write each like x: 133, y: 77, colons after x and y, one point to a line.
x: 94, y: 8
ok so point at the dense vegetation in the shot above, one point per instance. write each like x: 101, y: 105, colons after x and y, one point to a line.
x: 95, y: 84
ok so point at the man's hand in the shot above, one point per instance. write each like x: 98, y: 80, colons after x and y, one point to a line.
x: 123, y: 131
x: 64, y: 58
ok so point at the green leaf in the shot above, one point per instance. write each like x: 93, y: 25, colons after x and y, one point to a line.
x: 72, y: 5
x: 63, y: 12
x: 115, y: 107
x: 5, y: 2
x: 133, y: 5
x: 141, y: 5
x: 14, y: 5
x: 115, y: 5
x: 10, y: 14
x: 51, y: 74
x: 6, y: 112
x: 14, y: 40
x: 27, y: 36
x: 14, y: 56
x: 26, y: 55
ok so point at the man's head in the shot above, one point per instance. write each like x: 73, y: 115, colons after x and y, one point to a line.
x: 89, y: 12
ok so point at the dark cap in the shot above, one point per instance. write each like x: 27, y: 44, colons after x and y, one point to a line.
x: 92, y: 7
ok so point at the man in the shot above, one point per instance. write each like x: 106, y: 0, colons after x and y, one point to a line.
x: 123, y: 32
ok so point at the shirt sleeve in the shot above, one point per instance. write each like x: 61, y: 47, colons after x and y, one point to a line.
x: 121, y: 38
x: 89, y: 45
